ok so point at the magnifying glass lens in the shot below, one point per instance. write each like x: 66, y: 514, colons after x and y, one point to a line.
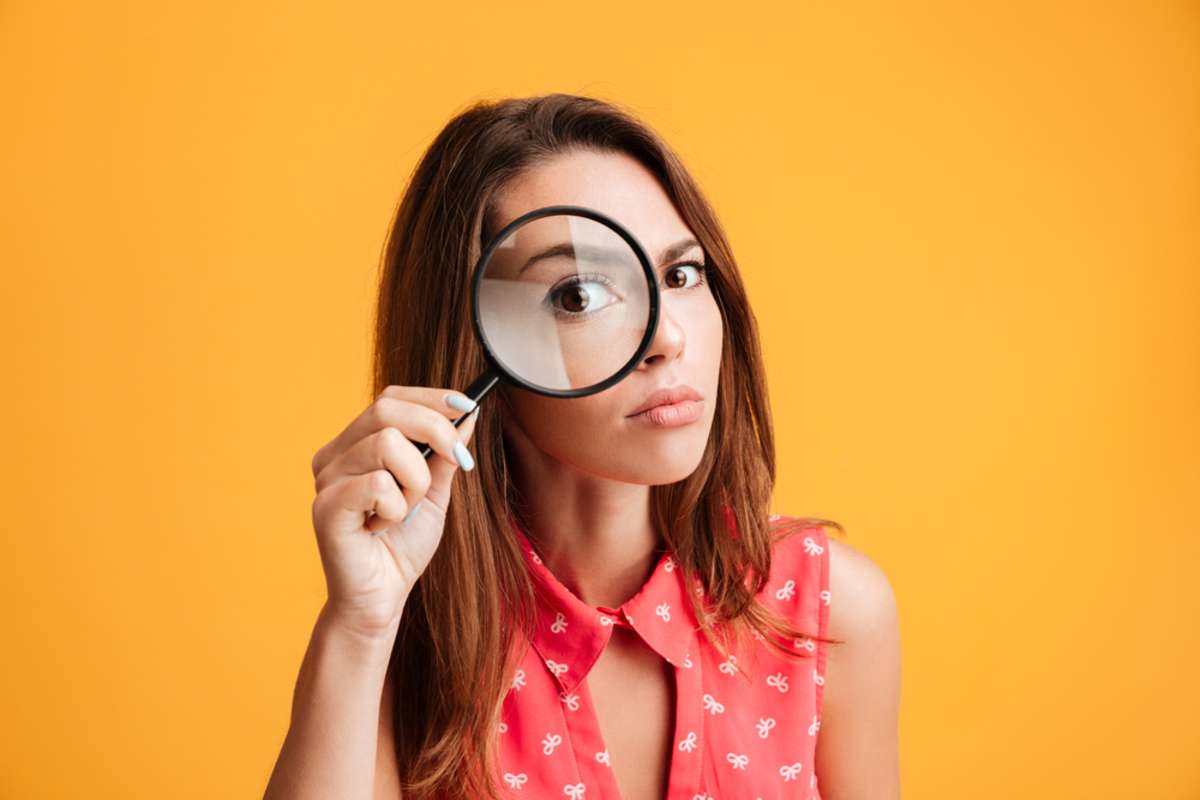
x: 564, y: 302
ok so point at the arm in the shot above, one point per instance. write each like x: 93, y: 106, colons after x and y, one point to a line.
x: 331, y: 745
x: 858, y: 744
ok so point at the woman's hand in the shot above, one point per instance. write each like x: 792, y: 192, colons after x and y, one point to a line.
x: 371, y: 554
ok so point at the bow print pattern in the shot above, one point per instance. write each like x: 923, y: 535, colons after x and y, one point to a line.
x: 741, y: 715
x: 551, y: 741
x: 791, y: 771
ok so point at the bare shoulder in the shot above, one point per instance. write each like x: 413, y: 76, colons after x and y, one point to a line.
x: 862, y: 602
x: 858, y: 743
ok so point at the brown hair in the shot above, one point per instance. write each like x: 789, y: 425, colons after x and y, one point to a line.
x: 454, y: 657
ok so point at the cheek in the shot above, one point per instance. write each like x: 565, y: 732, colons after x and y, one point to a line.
x: 550, y: 420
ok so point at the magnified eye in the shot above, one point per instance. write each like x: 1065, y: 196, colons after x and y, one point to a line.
x: 581, y: 296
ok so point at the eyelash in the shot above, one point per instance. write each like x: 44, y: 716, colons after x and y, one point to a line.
x: 702, y: 269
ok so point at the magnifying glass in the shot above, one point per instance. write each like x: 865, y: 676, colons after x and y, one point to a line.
x: 564, y: 302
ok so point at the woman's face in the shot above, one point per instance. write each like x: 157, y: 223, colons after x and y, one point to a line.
x: 599, y: 434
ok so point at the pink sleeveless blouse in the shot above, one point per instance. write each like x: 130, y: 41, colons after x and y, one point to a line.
x: 745, y: 727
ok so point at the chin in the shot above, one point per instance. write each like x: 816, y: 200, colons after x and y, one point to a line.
x: 660, y: 466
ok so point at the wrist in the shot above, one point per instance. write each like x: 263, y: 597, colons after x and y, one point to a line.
x: 370, y: 640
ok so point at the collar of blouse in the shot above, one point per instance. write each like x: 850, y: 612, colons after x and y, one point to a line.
x: 570, y: 634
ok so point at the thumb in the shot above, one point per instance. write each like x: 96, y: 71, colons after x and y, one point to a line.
x: 442, y: 472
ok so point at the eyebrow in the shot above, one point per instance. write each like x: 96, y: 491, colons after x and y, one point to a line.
x: 593, y: 253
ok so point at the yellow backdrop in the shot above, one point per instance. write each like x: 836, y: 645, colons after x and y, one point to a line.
x: 972, y: 238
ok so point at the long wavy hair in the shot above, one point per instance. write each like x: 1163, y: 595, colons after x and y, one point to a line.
x: 454, y: 655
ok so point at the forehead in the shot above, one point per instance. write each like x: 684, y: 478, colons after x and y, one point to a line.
x: 615, y: 184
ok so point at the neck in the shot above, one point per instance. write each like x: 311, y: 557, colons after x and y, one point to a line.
x: 594, y: 534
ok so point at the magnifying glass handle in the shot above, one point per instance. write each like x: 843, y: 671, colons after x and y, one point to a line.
x: 478, y: 388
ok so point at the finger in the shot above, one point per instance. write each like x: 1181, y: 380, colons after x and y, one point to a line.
x: 414, y: 421
x: 377, y: 415
x: 343, y: 505
x: 442, y: 474
x: 468, y: 427
x: 387, y: 448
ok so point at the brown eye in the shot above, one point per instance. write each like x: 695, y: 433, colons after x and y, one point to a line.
x: 581, y: 297
x: 677, y: 276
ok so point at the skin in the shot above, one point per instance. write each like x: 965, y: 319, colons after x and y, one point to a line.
x: 590, y: 510
x: 588, y: 469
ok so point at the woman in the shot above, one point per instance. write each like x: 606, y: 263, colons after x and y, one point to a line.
x: 602, y: 607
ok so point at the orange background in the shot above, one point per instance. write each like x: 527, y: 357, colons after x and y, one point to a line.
x: 970, y: 231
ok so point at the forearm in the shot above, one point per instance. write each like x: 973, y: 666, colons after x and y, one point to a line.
x: 329, y: 750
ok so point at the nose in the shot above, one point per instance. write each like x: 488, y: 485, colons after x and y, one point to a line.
x: 669, y: 339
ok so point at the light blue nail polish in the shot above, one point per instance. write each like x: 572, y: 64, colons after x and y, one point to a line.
x: 460, y: 402
x: 463, y: 455
x: 411, y: 511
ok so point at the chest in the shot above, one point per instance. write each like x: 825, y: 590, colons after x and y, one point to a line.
x: 638, y: 727
x: 633, y: 693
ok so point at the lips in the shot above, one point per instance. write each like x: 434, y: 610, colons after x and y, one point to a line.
x: 666, y: 395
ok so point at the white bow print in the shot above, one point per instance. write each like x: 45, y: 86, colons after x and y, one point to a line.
x: 560, y: 623
x: 687, y: 660
x: 779, y: 681
x: 804, y: 643
x: 669, y: 564
x: 605, y: 619
x: 711, y: 704
x: 819, y: 680
x: 574, y: 790
x: 764, y: 726
x: 551, y: 741
x: 571, y: 701
x: 602, y: 757
x: 688, y: 744
x: 814, y: 727
x: 556, y: 668
x: 825, y: 596
x: 738, y: 761
x: 728, y: 665
x: 519, y: 680
x: 663, y: 610
x: 791, y: 771
x: 787, y: 592
x: 811, y: 547
x: 515, y: 781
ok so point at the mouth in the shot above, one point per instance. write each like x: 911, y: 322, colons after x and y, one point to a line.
x: 668, y: 395
x: 670, y: 415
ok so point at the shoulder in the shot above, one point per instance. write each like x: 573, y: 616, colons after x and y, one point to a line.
x: 862, y: 601
x: 858, y: 750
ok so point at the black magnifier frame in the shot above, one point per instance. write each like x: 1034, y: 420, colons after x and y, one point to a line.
x: 495, y: 371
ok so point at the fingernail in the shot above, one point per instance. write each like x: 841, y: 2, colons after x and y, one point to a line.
x: 463, y: 456
x: 460, y: 402
x: 411, y: 511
